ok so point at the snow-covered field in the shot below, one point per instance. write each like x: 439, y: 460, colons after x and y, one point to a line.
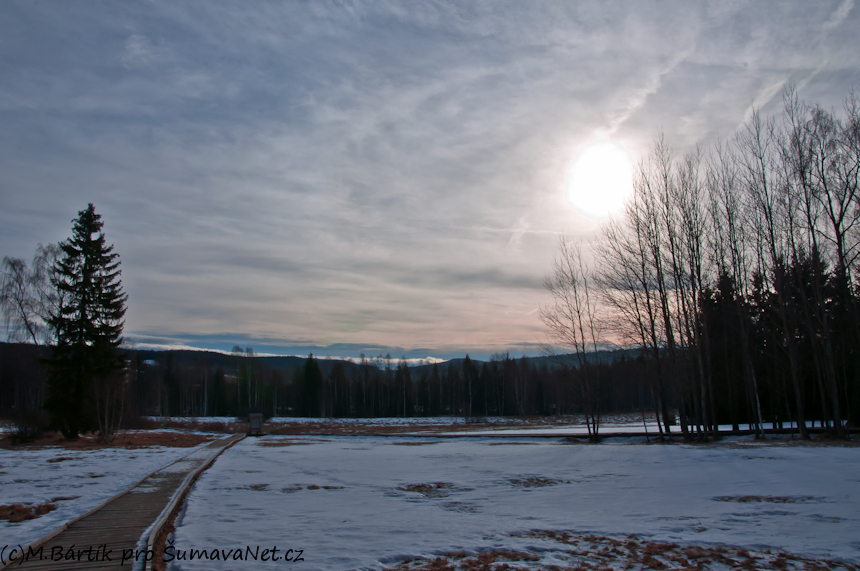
x: 370, y: 502
x: 75, y: 481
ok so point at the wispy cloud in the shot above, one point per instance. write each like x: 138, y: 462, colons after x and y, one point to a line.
x: 839, y: 15
x: 364, y: 172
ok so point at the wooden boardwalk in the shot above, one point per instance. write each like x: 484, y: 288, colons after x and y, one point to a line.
x: 111, y: 536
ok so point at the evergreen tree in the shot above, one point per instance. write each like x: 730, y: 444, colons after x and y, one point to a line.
x: 88, y: 327
x: 312, y: 377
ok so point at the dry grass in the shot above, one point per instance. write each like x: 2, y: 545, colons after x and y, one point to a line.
x: 16, y: 513
x: 64, y: 458
x: 193, y: 424
x: 360, y: 427
x: 294, y: 489
x: 437, y: 490
x: 536, y: 482
x: 769, y: 499
x: 496, y: 560
x: 584, y: 552
x: 351, y: 429
x: 128, y: 440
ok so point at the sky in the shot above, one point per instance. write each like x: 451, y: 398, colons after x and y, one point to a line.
x: 347, y: 177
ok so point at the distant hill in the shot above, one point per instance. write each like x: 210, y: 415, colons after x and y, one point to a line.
x: 549, y: 361
x: 570, y: 359
x: 230, y: 361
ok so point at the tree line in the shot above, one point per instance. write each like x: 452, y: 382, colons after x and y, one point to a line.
x: 734, y: 270
x: 201, y: 383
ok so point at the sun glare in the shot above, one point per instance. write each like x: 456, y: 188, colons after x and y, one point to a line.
x: 600, y: 180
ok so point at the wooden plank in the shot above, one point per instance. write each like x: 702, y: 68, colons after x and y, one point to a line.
x: 119, y: 524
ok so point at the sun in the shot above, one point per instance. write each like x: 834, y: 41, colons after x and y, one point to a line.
x: 600, y: 180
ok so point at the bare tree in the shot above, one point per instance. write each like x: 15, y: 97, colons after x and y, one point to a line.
x: 573, y: 322
x: 17, y: 302
x: 28, y: 297
x: 771, y: 216
x: 628, y: 287
x: 731, y: 256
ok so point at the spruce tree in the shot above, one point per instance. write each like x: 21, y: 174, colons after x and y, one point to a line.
x: 312, y: 377
x: 88, y: 325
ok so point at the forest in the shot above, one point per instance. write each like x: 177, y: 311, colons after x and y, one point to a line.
x: 204, y: 383
x: 729, y: 282
x: 734, y: 270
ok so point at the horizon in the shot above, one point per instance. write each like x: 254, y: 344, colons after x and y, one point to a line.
x: 269, y: 347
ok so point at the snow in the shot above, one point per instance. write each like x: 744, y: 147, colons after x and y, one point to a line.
x: 89, y: 476
x: 571, y: 430
x: 606, y: 429
x: 271, y: 492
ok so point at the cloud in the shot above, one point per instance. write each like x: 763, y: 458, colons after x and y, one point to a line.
x: 364, y: 172
x: 839, y: 15
x: 138, y: 51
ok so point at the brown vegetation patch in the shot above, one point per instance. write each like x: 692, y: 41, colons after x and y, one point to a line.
x: 129, y: 440
x: 437, y: 490
x: 770, y: 441
x: 769, y: 499
x: 158, y: 438
x: 194, y: 424
x: 586, y: 552
x: 220, y: 427
x: 367, y: 427
x: 15, y: 513
x: 293, y: 489
x: 256, y: 487
x: 535, y: 482
x: 496, y: 560
x: 350, y: 429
